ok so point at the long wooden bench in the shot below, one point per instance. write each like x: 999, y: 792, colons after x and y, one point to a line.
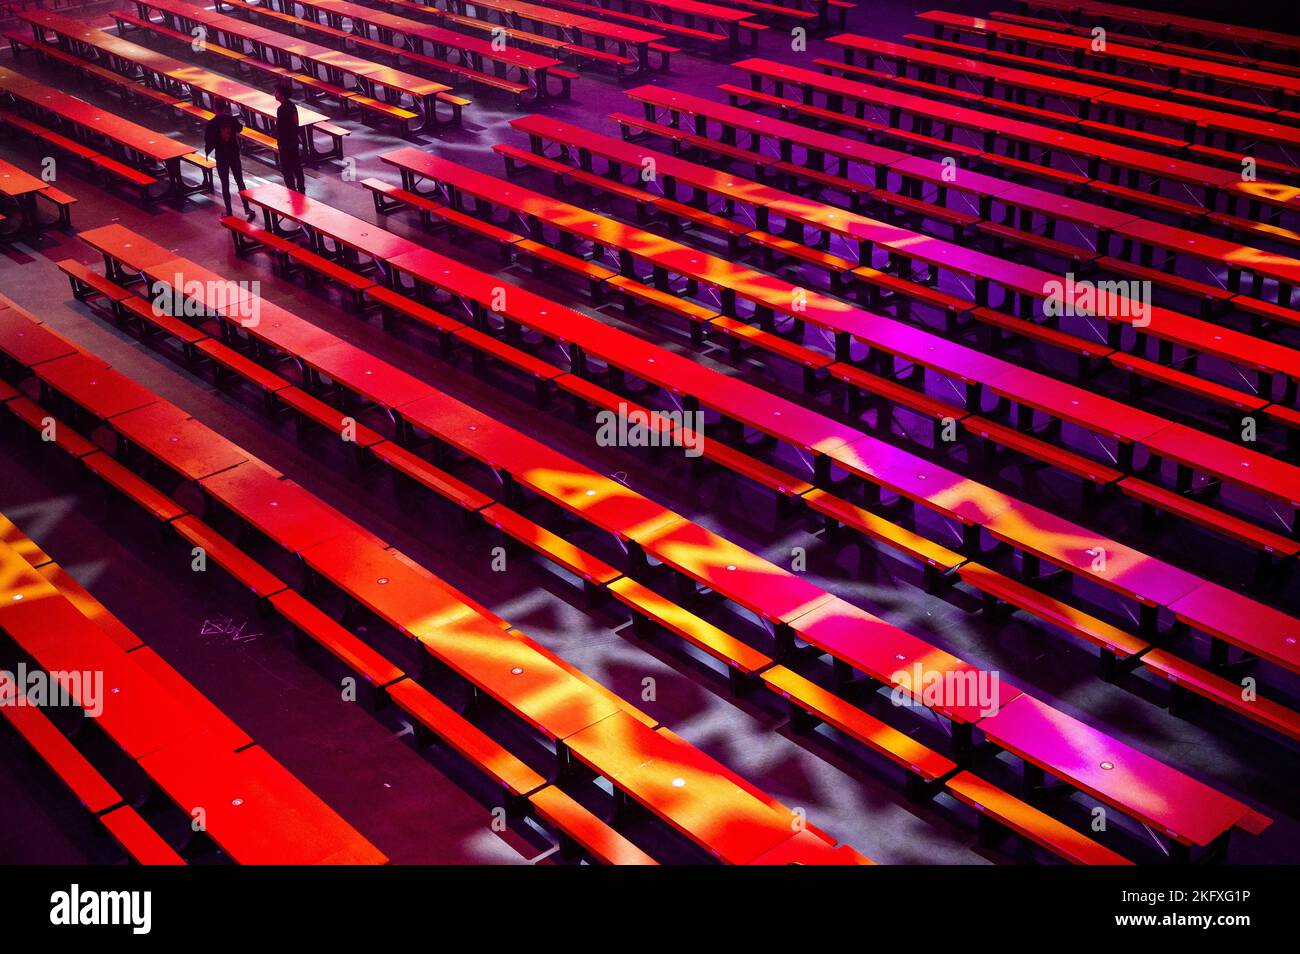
x: 938, y: 560
x: 1093, y: 473
x: 259, y: 581
x: 90, y: 787
x: 580, y: 827
x: 1144, y: 369
x: 1114, y: 643
x: 1212, y: 518
x: 999, y: 810
x: 246, y: 237
x: 348, y: 649
x: 810, y: 704
x: 742, y: 660
x: 1188, y: 679
x: 116, y: 475
x: 595, y: 573
x: 435, y: 719
x: 422, y: 472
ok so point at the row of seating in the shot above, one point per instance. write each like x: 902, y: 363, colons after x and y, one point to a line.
x: 146, y: 160
x: 194, y: 88
x: 346, y: 562
x: 1107, y: 419
x: 385, y: 93
x: 832, y: 506
x: 429, y: 421
x: 717, y: 643
x: 186, y: 747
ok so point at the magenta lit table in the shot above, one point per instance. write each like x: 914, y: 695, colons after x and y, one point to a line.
x: 884, y: 652
x: 1048, y: 740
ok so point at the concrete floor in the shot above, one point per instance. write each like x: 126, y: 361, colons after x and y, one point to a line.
x: 426, y: 807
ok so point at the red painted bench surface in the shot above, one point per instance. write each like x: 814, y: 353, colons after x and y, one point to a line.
x: 681, y: 785
x: 902, y: 53
x: 1229, y: 615
x: 279, y: 508
x: 549, y: 696
x: 373, y: 378
x: 88, y: 382
x: 985, y: 122
x: 160, y: 64
x: 1119, y: 775
x: 410, y: 600
x: 138, y: 714
x: 1136, y: 54
x: 148, y: 142
x: 29, y: 343
x: 365, y: 237
x: 1067, y: 544
x: 125, y: 246
x: 173, y: 437
x: 772, y: 592
x: 254, y: 808
x: 605, y: 502
x: 890, y: 655
x: 438, y: 36
x: 396, y: 79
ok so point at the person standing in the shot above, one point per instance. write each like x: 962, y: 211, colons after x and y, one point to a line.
x: 221, y: 136
x: 286, y: 134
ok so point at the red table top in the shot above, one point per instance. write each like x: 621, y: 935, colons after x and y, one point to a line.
x: 1070, y: 210
x: 1137, y: 54
x: 16, y: 182
x: 255, y: 808
x: 564, y: 18
x: 774, y: 593
x: 751, y: 121
x: 1242, y: 621
x: 187, y: 446
x: 147, y: 142
x: 360, y: 371
x: 1119, y: 775
x: 929, y: 484
x: 690, y: 791
x: 414, y: 28
x: 1066, y: 544
x: 898, y: 658
x: 280, y: 509
x: 365, y: 237
x: 89, y: 382
x: 610, y: 505
x: 137, y: 713
x: 961, y: 64
x: 518, y: 675
x: 28, y: 342
x: 1214, y: 249
x: 1069, y: 402
x: 126, y: 247
x: 1253, y: 470
x: 979, y: 121
x: 408, y: 598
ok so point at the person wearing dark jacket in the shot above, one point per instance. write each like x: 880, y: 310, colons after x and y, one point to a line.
x: 221, y: 136
x: 286, y: 134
